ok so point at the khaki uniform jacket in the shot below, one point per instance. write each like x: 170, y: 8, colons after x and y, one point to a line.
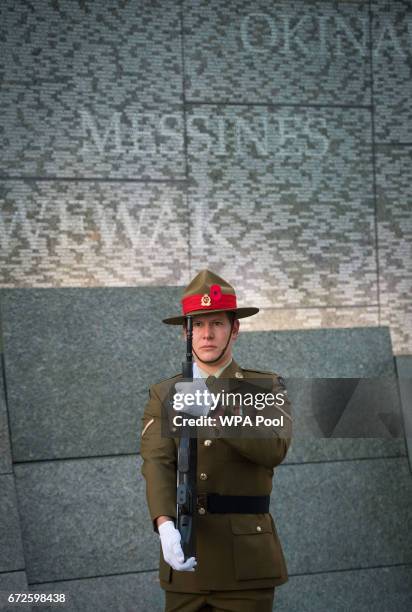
x: 233, y: 551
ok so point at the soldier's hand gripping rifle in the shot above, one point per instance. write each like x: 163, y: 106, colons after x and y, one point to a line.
x: 187, y: 468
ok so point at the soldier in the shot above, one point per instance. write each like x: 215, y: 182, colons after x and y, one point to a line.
x: 239, y: 559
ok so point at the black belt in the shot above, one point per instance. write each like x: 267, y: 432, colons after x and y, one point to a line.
x: 242, y: 504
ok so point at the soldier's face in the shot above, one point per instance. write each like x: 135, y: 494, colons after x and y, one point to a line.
x: 210, y: 335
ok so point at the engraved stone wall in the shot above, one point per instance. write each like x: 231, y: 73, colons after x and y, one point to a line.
x: 271, y: 142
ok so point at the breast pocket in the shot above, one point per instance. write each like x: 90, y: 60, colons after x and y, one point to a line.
x: 256, y: 548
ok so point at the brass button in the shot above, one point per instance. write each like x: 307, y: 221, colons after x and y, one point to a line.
x: 201, y: 510
x: 203, y: 476
x: 238, y: 374
x: 258, y: 528
x: 207, y: 442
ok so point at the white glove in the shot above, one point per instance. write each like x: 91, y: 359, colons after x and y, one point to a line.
x: 172, y: 550
x: 197, y: 385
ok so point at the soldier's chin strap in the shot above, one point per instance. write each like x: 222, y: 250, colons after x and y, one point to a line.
x: 224, y: 350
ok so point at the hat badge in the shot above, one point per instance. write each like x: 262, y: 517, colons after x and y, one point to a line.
x: 205, y: 301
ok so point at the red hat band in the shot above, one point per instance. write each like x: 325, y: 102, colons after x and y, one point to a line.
x: 212, y: 301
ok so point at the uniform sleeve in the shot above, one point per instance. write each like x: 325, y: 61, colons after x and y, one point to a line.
x: 265, y: 450
x: 159, y: 461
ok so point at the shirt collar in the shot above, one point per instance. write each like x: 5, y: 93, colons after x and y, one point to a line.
x: 199, y: 373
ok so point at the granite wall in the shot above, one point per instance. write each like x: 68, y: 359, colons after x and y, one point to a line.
x: 77, y: 363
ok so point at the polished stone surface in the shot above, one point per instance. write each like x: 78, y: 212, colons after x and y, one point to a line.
x: 95, y: 516
x: 79, y: 364
x: 341, y: 515
x: 363, y: 590
x: 85, y: 518
x: 363, y: 352
x: 379, y: 589
x: 5, y: 456
x: 12, y: 582
x: 11, y: 551
x: 133, y: 592
x: 404, y: 368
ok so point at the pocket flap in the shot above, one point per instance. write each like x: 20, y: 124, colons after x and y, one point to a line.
x: 250, y: 524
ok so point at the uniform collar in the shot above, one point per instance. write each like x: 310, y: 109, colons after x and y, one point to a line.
x: 218, y: 373
x: 231, y: 371
x: 231, y: 378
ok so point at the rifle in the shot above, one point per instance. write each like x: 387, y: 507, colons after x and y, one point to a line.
x: 187, y: 468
